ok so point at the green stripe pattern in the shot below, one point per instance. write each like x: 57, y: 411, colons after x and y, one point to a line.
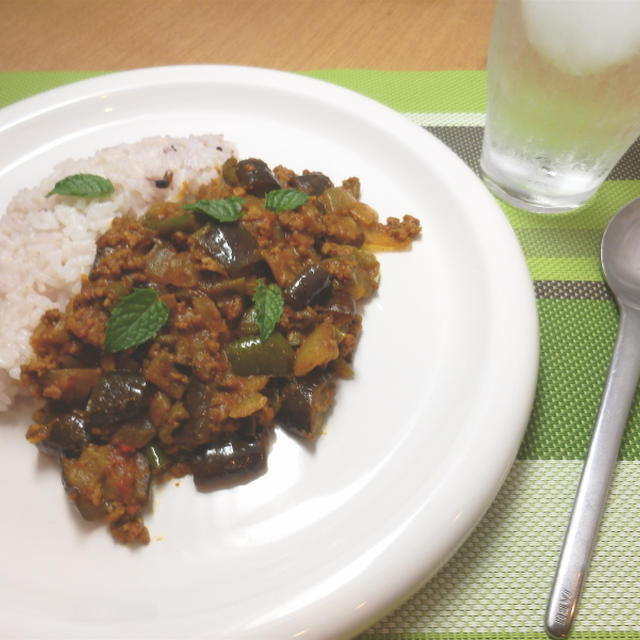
x: 496, y: 586
x: 605, y: 635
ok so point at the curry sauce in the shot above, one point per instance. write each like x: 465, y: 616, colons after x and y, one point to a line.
x: 202, y: 395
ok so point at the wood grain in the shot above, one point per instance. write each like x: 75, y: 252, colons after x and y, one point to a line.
x: 281, y: 34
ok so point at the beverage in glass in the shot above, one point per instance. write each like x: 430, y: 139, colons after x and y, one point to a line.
x: 563, y: 98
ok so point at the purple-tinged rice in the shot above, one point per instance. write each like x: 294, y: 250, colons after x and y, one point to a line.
x: 47, y: 243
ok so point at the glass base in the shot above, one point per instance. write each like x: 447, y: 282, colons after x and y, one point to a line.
x: 536, y: 203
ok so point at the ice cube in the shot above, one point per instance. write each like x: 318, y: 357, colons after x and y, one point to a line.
x: 582, y: 37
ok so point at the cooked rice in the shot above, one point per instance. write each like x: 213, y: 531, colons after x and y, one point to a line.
x: 46, y: 244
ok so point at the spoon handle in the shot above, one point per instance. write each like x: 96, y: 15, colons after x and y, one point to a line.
x: 591, y: 495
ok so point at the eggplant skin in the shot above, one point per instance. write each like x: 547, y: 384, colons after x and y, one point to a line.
x: 310, y: 284
x: 235, y: 458
x: 256, y: 177
x: 234, y: 247
x: 67, y: 436
x: 305, y: 403
x: 116, y: 397
x: 312, y: 183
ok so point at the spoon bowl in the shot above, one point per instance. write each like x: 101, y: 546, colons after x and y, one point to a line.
x: 620, y: 254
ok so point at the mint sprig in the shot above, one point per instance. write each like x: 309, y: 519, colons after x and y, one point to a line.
x: 222, y: 210
x: 269, y: 303
x: 284, y: 199
x: 135, y: 319
x: 84, y: 185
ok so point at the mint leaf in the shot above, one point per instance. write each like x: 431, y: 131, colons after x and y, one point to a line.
x: 223, y: 210
x: 269, y: 304
x: 134, y: 320
x: 84, y: 185
x: 284, y: 199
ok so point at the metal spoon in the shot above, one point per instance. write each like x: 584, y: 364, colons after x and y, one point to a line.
x: 620, y: 255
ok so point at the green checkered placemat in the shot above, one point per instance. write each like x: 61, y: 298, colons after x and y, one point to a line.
x: 496, y: 586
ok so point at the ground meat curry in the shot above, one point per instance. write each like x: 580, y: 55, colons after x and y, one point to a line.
x: 256, y: 319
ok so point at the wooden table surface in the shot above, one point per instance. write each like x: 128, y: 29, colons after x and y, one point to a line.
x: 282, y: 34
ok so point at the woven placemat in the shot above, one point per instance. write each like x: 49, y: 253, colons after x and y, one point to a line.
x: 496, y: 586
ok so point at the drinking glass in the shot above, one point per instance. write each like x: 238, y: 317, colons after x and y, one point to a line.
x: 563, y: 99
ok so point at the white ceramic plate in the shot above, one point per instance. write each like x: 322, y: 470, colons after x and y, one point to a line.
x: 332, y: 536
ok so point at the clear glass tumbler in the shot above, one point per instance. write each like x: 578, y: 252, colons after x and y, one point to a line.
x: 563, y: 99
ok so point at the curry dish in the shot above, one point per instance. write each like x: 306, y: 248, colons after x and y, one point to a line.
x: 254, y: 319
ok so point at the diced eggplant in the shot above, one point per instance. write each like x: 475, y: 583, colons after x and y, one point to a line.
x: 233, y: 247
x: 237, y: 457
x: 285, y: 263
x: 117, y: 396
x: 69, y: 385
x: 341, y: 302
x: 312, y: 282
x: 304, y: 404
x: 221, y: 288
x: 312, y: 183
x: 67, y: 435
x: 197, y: 399
x: 103, y: 480
x: 134, y: 434
x: 256, y: 177
x: 343, y: 310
